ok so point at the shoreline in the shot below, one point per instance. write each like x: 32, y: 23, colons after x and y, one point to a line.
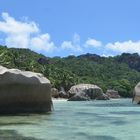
x: 111, y: 99
x: 59, y: 99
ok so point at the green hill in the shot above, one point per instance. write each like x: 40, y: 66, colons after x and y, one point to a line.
x: 121, y: 73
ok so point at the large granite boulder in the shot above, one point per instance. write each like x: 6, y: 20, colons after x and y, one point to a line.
x: 88, y: 91
x: 112, y: 93
x: 136, y: 94
x: 24, y: 92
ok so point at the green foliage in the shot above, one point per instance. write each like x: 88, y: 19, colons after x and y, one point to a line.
x: 60, y: 77
x: 108, y: 73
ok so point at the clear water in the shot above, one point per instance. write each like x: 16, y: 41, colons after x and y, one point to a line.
x: 93, y: 120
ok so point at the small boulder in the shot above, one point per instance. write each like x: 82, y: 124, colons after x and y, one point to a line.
x: 63, y: 94
x: 54, y: 93
x: 103, y: 97
x: 112, y: 93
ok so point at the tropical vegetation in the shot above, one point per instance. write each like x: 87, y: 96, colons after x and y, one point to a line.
x: 120, y: 73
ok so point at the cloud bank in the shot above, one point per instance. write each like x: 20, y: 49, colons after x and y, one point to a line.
x: 93, y: 43
x: 27, y: 34
x: 73, y: 45
x: 127, y: 46
x: 24, y: 35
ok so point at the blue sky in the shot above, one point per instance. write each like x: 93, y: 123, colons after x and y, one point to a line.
x: 65, y: 27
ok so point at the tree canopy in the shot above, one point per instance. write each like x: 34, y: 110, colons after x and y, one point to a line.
x: 121, y: 73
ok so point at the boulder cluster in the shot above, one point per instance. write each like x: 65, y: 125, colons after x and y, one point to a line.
x: 29, y: 92
x: 85, y: 92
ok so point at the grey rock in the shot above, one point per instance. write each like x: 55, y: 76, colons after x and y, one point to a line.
x: 136, y: 94
x: 79, y: 97
x: 112, y: 93
x: 63, y: 94
x: 103, y: 97
x: 24, y: 92
x: 86, y: 90
x: 54, y: 93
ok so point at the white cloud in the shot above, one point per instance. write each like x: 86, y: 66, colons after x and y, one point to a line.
x: 73, y: 45
x: 93, y: 43
x: 67, y: 45
x: 76, y: 39
x: 107, y: 55
x: 11, y: 26
x: 20, y: 34
x: 26, y: 34
x: 42, y: 42
x: 127, y: 46
x: 70, y: 46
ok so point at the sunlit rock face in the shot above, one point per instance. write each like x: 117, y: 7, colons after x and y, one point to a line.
x: 136, y: 94
x: 24, y: 92
x: 86, y: 92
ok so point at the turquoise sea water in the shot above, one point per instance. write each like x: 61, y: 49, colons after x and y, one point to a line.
x: 91, y: 120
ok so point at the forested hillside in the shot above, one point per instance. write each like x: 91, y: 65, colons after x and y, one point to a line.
x: 121, y: 73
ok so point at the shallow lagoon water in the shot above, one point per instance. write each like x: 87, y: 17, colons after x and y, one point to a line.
x: 91, y: 120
